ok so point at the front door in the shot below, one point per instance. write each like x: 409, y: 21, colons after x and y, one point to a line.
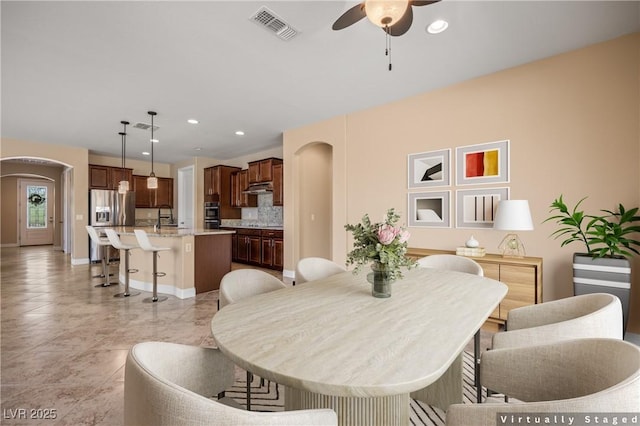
x: 36, y: 212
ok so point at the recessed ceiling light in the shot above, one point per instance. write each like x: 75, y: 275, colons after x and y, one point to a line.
x: 192, y: 121
x: 154, y: 140
x: 437, y: 26
x: 145, y: 153
x: 198, y: 148
x: 240, y: 133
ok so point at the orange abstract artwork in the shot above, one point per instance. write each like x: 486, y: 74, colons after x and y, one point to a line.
x: 483, y: 163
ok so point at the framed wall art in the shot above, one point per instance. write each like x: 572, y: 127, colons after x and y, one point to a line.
x: 483, y: 163
x: 430, y: 209
x: 428, y: 169
x: 476, y: 208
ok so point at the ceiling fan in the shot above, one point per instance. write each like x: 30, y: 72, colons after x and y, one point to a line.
x: 393, y: 16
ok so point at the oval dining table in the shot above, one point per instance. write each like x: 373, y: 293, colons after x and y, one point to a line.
x: 333, y: 345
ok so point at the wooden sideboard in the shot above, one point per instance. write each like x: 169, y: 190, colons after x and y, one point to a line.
x: 523, y: 276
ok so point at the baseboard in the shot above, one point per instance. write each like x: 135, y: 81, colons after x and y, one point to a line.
x: 9, y: 245
x: 289, y: 274
x: 81, y: 261
x: 180, y: 293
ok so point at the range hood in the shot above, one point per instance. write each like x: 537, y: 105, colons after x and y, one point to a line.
x: 259, y: 188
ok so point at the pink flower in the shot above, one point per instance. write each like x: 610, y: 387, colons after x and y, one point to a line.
x: 404, y: 236
x: 386, y: 234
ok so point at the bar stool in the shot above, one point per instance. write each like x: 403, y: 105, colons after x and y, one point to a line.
x: 104, y: 243
x: 115, y: 241
x: 146, y: 245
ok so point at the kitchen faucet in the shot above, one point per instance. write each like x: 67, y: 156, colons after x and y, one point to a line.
x: 160, y: 216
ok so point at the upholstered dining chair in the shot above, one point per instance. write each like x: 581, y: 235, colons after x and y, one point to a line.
x: 172, y: 384
x: 241, y: 283
x: 316, y: 268
x: 583, y: 375
x: 587, y: 315
x: 457, y: 263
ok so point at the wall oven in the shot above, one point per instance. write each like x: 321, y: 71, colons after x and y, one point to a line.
x: 211, y: 215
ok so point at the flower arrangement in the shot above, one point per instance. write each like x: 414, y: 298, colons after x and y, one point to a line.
x: 382, y: 242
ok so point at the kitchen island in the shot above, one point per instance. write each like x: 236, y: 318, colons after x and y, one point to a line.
x: 196, y: 263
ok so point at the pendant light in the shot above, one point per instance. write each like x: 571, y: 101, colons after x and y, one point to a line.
x: 123, y: 185
x: 152, y: 180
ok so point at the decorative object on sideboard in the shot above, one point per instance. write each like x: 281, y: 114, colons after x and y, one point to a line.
x: 513, y: 215
x: 123, y: 185
x: 152, y: 180
x: 609, y: 243
x: 472, y: 242
x: 383, y: 245
x: 471, y: 248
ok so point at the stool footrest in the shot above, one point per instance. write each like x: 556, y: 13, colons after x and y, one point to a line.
x: 132, y: 271
x: 160, y: 274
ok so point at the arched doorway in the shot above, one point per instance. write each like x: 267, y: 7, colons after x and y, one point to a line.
x: 314, y: 195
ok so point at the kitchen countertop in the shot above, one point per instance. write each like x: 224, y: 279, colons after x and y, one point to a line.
x: 171, y: 231
x: 270, y: 227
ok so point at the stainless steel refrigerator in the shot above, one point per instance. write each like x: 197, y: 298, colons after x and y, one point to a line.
x: 108, y: 208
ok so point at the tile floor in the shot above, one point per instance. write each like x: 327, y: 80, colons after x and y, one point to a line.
x: 64, y: 342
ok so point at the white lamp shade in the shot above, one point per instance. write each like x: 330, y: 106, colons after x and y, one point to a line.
x: 513, y: 215
x: 152, y: 182
x: 123, y: 186
x: 385, y: 12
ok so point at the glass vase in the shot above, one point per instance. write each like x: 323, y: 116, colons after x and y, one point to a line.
x: 380, y: 280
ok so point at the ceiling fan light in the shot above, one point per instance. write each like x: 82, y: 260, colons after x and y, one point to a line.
x: 385, y: 13
x: 437, y: 26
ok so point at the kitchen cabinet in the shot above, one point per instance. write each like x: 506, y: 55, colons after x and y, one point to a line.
x: 239, y: 183
x: 262, y: 170
x: 106, y: 177
x: 151, y: 198
x: 217, y: 187
x: 248, y: 246
x: 522, y: 276
x: 272, y: 249
x: 278, y: 195
x: 259, y: 247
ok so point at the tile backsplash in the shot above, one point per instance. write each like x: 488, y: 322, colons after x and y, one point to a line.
x: 266, y: 214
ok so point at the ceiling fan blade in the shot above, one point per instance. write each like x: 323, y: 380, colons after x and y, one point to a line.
x: 422, y: 3
x: 403, y: 25
x: 350, y: 17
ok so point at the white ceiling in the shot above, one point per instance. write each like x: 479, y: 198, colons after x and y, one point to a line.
x: 71, y: 71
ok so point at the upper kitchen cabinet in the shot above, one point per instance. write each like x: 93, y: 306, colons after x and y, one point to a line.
x: 217, y: 187
x: 262, y: 171
x: 278, y: 193
x: 239, y: 184
x: 105, y: 177
x: 150, y: 198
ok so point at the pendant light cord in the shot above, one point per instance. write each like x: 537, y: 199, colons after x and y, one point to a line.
x: 152, y: 114
x: 124, y: 145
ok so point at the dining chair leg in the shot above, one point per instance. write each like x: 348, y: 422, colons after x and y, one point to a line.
x: 249, y: 380
x: 476, y: 366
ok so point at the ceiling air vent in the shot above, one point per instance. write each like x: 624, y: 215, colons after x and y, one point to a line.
x: 275, y: 24
x: 144, y: 126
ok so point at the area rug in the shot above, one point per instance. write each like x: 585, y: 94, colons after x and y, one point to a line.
x: 266, y: 396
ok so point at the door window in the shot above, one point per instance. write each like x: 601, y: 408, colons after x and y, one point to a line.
x: 36, y: 207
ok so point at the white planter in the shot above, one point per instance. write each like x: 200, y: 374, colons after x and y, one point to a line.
x: 603, y: 275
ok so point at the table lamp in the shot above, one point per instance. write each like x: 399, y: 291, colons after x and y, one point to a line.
x: 513, y: 215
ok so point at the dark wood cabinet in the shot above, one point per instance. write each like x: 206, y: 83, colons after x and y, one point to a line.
x: 150, y: 198
x: 260, y: 247
x: 272, y: 249
x: 212, y: 260
x: 217, y: 187
x: 239, y: 184
x: 106, y: 177
x: 278, y: 194
x: 262, y: 171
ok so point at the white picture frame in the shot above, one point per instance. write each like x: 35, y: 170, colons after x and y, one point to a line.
x: 429, y: 169
x: 475, y: 208
x: 486, y: 163
x: 430, y: 209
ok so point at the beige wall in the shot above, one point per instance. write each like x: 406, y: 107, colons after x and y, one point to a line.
x: 573, y: 125
x: 71, y: 157
x: 10, y: 173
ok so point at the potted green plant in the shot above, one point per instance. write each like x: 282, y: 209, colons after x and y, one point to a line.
x: 609, y: 243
